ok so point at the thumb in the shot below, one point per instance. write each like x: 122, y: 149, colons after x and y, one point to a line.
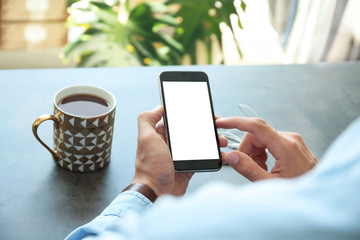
x: 149, y: 119
x: 246, y: 166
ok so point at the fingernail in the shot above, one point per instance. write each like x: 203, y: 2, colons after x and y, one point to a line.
x: 232, y: 158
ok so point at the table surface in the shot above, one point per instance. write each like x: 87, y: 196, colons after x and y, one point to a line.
x: 39, y: 200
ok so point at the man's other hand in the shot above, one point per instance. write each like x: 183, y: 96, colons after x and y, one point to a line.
x: 293, y: 157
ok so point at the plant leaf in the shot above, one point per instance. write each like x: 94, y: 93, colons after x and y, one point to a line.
x: 243, y: 5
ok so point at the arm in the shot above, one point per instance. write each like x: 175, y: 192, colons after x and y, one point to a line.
x: 154, y: 170
x: 113, y: 217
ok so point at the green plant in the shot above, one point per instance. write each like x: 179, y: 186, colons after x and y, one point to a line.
x: 121, y: 33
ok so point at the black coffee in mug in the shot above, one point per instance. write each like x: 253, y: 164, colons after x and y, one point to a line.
x: 84, y: 105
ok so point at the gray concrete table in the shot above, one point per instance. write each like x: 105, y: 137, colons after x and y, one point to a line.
x: 39, y: 200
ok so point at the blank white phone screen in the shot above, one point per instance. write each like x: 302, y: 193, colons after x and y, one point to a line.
x: 190, y: 121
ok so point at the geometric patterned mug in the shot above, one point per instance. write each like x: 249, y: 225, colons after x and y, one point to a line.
x: 81, y: 143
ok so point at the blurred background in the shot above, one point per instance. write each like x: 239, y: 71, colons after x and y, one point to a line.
x: 114, y: 33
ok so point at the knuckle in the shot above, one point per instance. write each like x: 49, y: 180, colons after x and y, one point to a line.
x: 293, y: 145
x: 143, y: 115
x: 249, y: 136
x: 296, y: 136
x: 261, y: 124
x: 260, y: 121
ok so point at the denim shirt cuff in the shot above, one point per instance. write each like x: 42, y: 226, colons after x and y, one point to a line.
x: 125, y: 202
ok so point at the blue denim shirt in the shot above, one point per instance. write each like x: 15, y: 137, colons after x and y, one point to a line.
x: 322, y: 204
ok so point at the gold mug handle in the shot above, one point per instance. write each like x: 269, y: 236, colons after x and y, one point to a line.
x: 35, y: 126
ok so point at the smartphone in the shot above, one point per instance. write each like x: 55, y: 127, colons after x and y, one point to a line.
x: 190, y: 121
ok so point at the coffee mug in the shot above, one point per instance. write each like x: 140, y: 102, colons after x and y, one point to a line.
x: 83, y: 127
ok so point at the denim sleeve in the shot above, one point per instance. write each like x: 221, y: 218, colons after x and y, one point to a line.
x: 112, y: 218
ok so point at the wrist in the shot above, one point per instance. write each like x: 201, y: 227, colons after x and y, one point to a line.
x: 144, y: 189
x: 140, y: 178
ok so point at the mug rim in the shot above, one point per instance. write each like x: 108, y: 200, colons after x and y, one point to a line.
x: 87, y: 86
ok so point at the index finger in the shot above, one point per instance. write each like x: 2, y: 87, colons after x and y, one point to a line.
x: 257, y: 126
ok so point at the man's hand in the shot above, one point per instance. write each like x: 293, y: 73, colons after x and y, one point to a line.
x: 154, y: 166
x: 293, y: 157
